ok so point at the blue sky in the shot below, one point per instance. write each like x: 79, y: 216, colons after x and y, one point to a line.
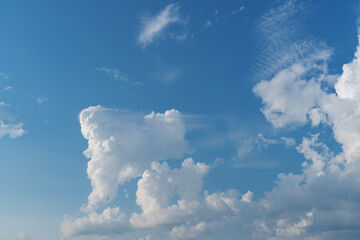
x: 152, y: 120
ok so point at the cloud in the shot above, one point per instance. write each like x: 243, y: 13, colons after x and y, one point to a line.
x: 218, y: 18
x: 41, y: 100
x: 316, y: 203
x: 261, y: 141
x: 193, y: 215
x: 348, y: 85
x: 4, y: 104
x: 110, y: 221
x: 155, y: 27
x: 114, y: 139
x: 208, y: 23
x: 279, y: 38
x: 13, y: 130
x: 320, y: 202
x: 249, y: 145
x: 114, y: 73
x: 293, y: 86
x: 8, y: 88
x: 240, y: 9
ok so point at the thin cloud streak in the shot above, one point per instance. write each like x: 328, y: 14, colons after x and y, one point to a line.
x: 153, y: 28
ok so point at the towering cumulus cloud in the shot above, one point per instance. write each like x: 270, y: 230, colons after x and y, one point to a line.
x: 173, y: 203
x: 122, y: 145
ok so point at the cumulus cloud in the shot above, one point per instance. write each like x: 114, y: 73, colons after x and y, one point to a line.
x: 154, y: 28
x: 122, y: 145
x: 12, y: 130
x: 316, y: 203
x: 293, y: 86
x: 320, y: 202
x: 348, y: 85
x: 110, y: 221
x: 193, y: 215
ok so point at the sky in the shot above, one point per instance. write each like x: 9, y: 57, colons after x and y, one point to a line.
x: 154, y: 120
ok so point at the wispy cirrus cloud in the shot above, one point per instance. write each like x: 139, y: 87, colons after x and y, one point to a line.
x: 114, y: 73
x: 217, y: 17
x: 155, y: 27
x: 280, y: 42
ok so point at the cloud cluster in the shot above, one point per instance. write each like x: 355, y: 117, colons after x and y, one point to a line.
x: 193, y: 214
x: 320, y: 203
x: 121, y: 146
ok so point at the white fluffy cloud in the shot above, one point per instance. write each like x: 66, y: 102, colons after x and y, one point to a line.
x: 321, y: 202
x: 110, y: 221
x: 193, y: 215
x: 13, y: 130
x: 290, y: 88
x: 348, y: 85
x: 153, y: 28
x: 122, y: 145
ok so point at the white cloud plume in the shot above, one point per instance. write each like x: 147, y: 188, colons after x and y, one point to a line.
x: 122, y: 145
x: 154, y: 28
